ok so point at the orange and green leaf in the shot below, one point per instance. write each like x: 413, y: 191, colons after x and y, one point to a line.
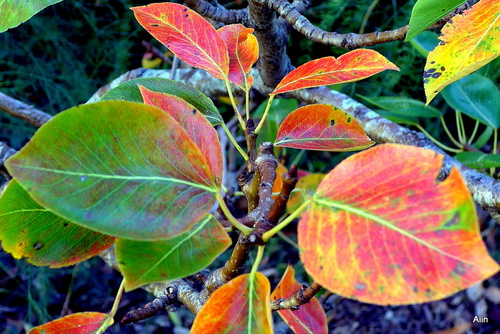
x: 306, y: 187
x: 310, y: 318
x: 154, y: 261
x: 31, y: 231
x: 352, y: 66
x: 241, y: 306
x: 120, y: 168
x: 187, y: 34
x: 243, y: 53
x: 77, y: 323
x: 383, y: 229
x: 197, y: 127
x: 322, y: 127
x: 468, y: 42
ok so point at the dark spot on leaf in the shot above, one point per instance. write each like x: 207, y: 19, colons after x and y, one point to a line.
x: 442, y: 43
x: 187, y: 15
x: 332, y: 122
x: 415, y: 289
x: 38, y: 245
x: 460, y: 269
x: 193, y: 111
x: 88, y: 215
x: 155, y: 25
x: 443, y: 10
x: 453, y: 221
x: 122, y: 263
x: 185, y: 10
x: 360, y: 286
x: 65, y: 224
x: 432, y: 62
x: 287, y: 138
x: 431, y: 70
x: 436, y: 75
x: 320, y: 267
x: 349, y: 119
x: 442, y: 68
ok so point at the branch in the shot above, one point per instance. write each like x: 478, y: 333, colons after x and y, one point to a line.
x: 23, y: 111
x: 348, y: 41
x: 219, y: 13
x: 301, y: 297
x: 485, y: 190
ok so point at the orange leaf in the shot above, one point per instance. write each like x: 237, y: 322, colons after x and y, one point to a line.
x: 310, y: 317
x: 278, y: 182
x: 468, y: 42
x: 241, y: 306
x: 322, y: 127
x: 187, y: 34
x: 382, y: 229
x: 197, y: 127
x: 308, y: 184
x: 77, y: 323
x: 352, y: 66
x: 243, y: 52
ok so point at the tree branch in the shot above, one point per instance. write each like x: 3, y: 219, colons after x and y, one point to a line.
x: 23, y: 111
x: 348, y: 41
x: 219, y: 13
x: 301, y: 297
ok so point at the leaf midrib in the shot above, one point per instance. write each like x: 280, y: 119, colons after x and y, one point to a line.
x: 370, y: 216
x: 121, y: 177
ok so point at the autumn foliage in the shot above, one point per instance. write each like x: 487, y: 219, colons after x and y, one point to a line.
x: 142, y: 169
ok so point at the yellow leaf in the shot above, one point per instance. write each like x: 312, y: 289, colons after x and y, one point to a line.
x: 468, y: 42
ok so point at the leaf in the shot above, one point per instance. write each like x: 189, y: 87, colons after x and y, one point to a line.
x: 310, y: 318
x: 404, y: 106
x: 76, y: 323
x: 468, y: 42
x: 241, y: 306
x: 129, y: 91
x: 382, y: 229
x: 278, y: 181
x: 31, y: 231
x: 196, y: 126
x: 477, y: 97
x: 147, y: 262
x: 308, y: 185
x: 243, y: 52
x: 14, y: 13
x: 397, y: 117
x: 478, y: 160
x: 322, y: 127
x: 351, y: 66
x: 426, y: 12
x: 120, y: 168
x: 187, y: 34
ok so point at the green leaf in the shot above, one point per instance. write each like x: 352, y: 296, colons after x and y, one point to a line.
x: 129, y: 91
x: 477, y: 97
x: 484, y: 138
x: 147, y: 262
x: 427, y: 12
x: 31, y: 231
x: 15, y: 12
x: 121, y: 168
x: 478, y: 160
x: 396, y: 117
x: 403, y: 106
x: 279, y: 110
x: 425, y: 42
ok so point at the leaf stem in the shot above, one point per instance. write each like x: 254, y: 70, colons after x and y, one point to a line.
x: 263, y: 120
x: 247, y: 98
x: 476, y: 127
x: 269, y: 234
x: 435, y: 141
x: 117, y: 299
x: 288, y: 240
x: 453, y: 140
x: 258, y: 259
x: 235, y: 107
x: 460, y: 127
x: 495, y: 147
x: 235, y: 143
x: 244, y: 229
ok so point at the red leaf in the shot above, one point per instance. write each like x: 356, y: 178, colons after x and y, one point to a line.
x: 352, y: 66
x: 240, y: 306
x: 197, y: 127
x: 322, y: 127
x: 187, y: 34
x: 243, y: 53
x: 382, y: 229
x: 77, y: 323
x: 310, y: 317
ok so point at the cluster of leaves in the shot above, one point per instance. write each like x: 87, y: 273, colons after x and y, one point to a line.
x: 143, y: 174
